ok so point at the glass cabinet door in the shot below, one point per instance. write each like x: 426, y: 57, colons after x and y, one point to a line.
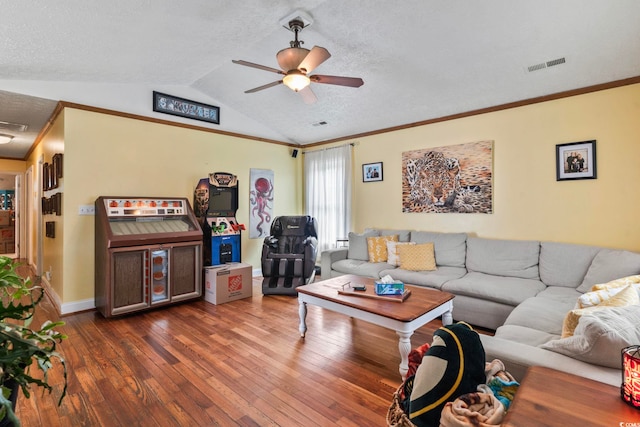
x: 159, y: 275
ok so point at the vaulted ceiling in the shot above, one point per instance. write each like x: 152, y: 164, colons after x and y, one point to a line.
x: 419, y: 59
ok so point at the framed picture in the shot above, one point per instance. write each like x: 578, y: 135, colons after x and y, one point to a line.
x: 372, y: 172
x: 57, y: 164
x: 53, y: 177
x: 576, y: 160
x: 46, y: 177
x: 163, y: 103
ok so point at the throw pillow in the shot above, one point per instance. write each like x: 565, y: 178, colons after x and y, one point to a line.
x: 627, y: 296
x: 377, y: 247
x: 593, y: 298
x: 417, y: 257
x: 618, y: 283
x: 358, y: 245
x: 393, y: 255
x: 600, y: 336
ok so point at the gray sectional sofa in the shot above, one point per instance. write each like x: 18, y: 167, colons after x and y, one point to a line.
x: 521, y: 289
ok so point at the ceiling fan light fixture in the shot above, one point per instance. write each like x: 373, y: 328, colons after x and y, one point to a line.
x: 5, y: 139
x: 296, y: 81
x: 291, y: 57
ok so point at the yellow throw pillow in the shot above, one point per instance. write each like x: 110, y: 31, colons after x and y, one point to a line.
x: 417, y: 257
x: 618, y: 283
x: 627, y: 296
x: 593, y: 298
x: 393, y: 253
x: 377, y: 247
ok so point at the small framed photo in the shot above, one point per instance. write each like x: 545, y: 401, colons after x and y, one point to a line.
x: 372, y: 172
x: 576, y: 160
x: 169, y: 104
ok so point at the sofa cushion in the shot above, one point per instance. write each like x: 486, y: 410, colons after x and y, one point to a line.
x: 358, y: 245
x: 600, y: 335
x: 565, y: 264
x: 505, y: 290
x: 393, y: 257
x: 377, y: 247
x: 432, y: 279
x: 609, y: 264
x: 560, y: 293
x: 360, y: 268
x: 509, y: 258
x: 417, y: 257
x: 403, y: 235
x: 542, y: 314
x: 525, y: 335
x: 450, y: 248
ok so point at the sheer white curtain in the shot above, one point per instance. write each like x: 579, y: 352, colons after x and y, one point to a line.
x: 328, y: 192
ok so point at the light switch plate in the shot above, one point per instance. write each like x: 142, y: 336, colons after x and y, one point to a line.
x: 86, y: 210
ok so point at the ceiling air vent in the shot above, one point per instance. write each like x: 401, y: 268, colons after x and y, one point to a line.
x: 555, y: 62
x: 546, y: 64
x: 12, y: 127
x: 321, y: 123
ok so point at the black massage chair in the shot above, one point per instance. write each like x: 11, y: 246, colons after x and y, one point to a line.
x: 289, y: 254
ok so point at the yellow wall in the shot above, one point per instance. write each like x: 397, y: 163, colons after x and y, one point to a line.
x: 18, y: 166
x: 528, y: 201
x: 113, y: 156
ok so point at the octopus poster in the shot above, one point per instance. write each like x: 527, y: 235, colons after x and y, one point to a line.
x: 452, y: 179
x: 260, y: 203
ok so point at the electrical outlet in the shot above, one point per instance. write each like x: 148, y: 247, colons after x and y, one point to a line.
x: 86, y: 210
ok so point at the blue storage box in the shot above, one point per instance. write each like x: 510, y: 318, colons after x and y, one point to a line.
x: 395, y: 288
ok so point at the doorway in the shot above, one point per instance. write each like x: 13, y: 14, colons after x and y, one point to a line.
x: 9, y: 214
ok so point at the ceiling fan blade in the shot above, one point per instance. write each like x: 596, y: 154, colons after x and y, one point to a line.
x: 267, y: 86
x: 314, y: 58
x: 308, y: 96
x: 258, y: 66
x: 337, y: 80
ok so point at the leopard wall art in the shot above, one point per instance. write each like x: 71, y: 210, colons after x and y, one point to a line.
x: 433, y: 182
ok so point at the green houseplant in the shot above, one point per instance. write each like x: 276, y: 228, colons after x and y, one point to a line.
x: 23, y: 349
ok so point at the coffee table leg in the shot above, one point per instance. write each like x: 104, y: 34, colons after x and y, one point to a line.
x: 404, y: 345
x: 302, y: 312
x: 447, y: 318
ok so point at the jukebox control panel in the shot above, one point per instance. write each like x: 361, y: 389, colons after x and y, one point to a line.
x: 144, y: 207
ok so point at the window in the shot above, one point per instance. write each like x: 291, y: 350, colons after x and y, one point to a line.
x: 328, y: 192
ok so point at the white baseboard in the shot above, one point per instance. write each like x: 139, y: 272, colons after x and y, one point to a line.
x: 76, y: 306
x: 69, y: 307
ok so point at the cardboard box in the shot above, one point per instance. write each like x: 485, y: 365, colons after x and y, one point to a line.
x: 6, y: 234
x: 5, y: 217
x: 228, y: 282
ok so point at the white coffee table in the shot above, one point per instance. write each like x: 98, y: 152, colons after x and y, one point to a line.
x: 421, y: 307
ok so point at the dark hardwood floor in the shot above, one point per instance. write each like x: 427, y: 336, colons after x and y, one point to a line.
x: 237, y: 364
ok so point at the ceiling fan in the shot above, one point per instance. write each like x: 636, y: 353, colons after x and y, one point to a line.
x: 296, y: 63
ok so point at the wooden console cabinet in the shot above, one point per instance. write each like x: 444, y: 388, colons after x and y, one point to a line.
x: 147, y: 254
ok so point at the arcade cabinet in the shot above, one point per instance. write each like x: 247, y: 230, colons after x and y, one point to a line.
x: 215, y: 205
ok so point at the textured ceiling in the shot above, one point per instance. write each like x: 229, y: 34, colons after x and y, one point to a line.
x: 419, y: 59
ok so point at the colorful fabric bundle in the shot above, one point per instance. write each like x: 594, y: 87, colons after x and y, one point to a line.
x: 477, y: 409
x: 501, y: 383
x: 452, y: 366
